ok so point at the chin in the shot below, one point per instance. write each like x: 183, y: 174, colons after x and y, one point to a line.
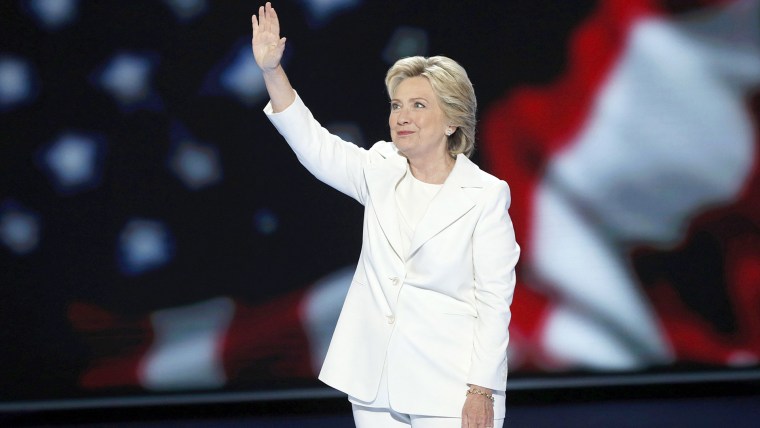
x: 400, y: 147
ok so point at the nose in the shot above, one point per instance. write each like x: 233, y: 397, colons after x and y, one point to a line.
x: 402, y: 118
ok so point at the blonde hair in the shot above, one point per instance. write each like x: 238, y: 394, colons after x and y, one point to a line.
x: 454, y: 90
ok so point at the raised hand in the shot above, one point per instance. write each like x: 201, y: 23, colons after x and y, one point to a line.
x: 267, y: 44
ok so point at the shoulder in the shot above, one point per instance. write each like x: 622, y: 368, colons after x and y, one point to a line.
x: 484, y: 188
x: 479, y: 178
x: 491, y: 181
x: 495, y: 191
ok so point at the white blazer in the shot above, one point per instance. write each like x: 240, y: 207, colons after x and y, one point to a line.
x: 440, y: 315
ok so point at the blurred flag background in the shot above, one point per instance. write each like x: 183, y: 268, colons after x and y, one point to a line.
x: 157, y: 236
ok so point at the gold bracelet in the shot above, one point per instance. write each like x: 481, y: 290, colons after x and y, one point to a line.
x: 479, y: 392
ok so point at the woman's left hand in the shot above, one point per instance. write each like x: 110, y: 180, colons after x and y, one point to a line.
x: 477, y: 411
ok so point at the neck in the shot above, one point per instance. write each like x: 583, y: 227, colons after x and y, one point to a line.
x: 433, y: 171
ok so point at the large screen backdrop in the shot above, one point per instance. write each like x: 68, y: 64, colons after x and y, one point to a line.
x: 158, y: 237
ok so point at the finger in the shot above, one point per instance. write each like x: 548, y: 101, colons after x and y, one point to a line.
x: 262, y: 18
x: 275, y: 22
x: 268, y: 11
x: 254, y: 23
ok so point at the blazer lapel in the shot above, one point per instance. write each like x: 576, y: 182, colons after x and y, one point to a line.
x: 382, y: 179
x: 450, y: 204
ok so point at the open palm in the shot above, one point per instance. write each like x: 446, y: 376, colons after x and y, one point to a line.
x: 267, y: 44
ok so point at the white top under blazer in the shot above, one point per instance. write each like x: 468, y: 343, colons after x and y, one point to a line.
x: 438, y: 312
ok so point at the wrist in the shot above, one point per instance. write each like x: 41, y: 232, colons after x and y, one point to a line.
x: 275, y: 71
x: 483, y: 392
x: 480, y: 388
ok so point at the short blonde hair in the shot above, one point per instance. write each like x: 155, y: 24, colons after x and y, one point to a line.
x: 454, y: 90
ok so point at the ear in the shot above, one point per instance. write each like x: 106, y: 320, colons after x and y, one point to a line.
x: 450, y: 130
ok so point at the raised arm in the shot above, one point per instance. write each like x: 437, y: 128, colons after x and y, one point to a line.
x: 335, y: 162
x: 267, y: 51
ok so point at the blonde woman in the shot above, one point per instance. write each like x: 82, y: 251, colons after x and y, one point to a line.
x: 422, y: 337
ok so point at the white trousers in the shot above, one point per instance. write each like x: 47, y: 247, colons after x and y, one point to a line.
x: 371, y: 417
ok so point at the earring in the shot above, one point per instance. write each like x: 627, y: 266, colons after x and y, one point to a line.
x: 448, y: 132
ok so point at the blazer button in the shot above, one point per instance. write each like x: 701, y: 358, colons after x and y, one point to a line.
x: 391, y: 319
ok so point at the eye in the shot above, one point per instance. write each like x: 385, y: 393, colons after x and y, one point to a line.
x: 395, y: 106
x: 419, y: 105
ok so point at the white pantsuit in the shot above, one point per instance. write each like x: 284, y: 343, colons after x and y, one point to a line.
x: 366, y: 417
x: 435, y: 317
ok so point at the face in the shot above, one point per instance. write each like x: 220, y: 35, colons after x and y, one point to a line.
x: 417, y: 122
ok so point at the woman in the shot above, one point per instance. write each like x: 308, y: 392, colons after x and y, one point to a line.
x: 422, y: 336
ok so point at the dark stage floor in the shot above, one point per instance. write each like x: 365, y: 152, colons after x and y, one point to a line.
x: 583, y: 411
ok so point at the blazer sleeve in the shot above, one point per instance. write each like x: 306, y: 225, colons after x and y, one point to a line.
x: 333, y: 161
x: 495, y: 254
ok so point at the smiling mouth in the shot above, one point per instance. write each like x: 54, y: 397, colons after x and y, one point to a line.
x: 404, y: 133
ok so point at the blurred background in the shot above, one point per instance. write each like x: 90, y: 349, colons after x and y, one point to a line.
x: 161, y: 247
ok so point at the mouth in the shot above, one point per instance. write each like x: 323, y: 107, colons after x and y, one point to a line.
x: 404, y: 133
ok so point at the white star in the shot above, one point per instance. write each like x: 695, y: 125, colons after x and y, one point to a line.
x: 53, y: 14
x: 321, y: 11
x: 16, y: 82
x: 127, y: 78
x: 73, y: 163
x: 19, y: 228
x: 243, y: 78
x: 144, y: 245
x: 186, y: 10
x: 405, y: 42
x: 197, y: 165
